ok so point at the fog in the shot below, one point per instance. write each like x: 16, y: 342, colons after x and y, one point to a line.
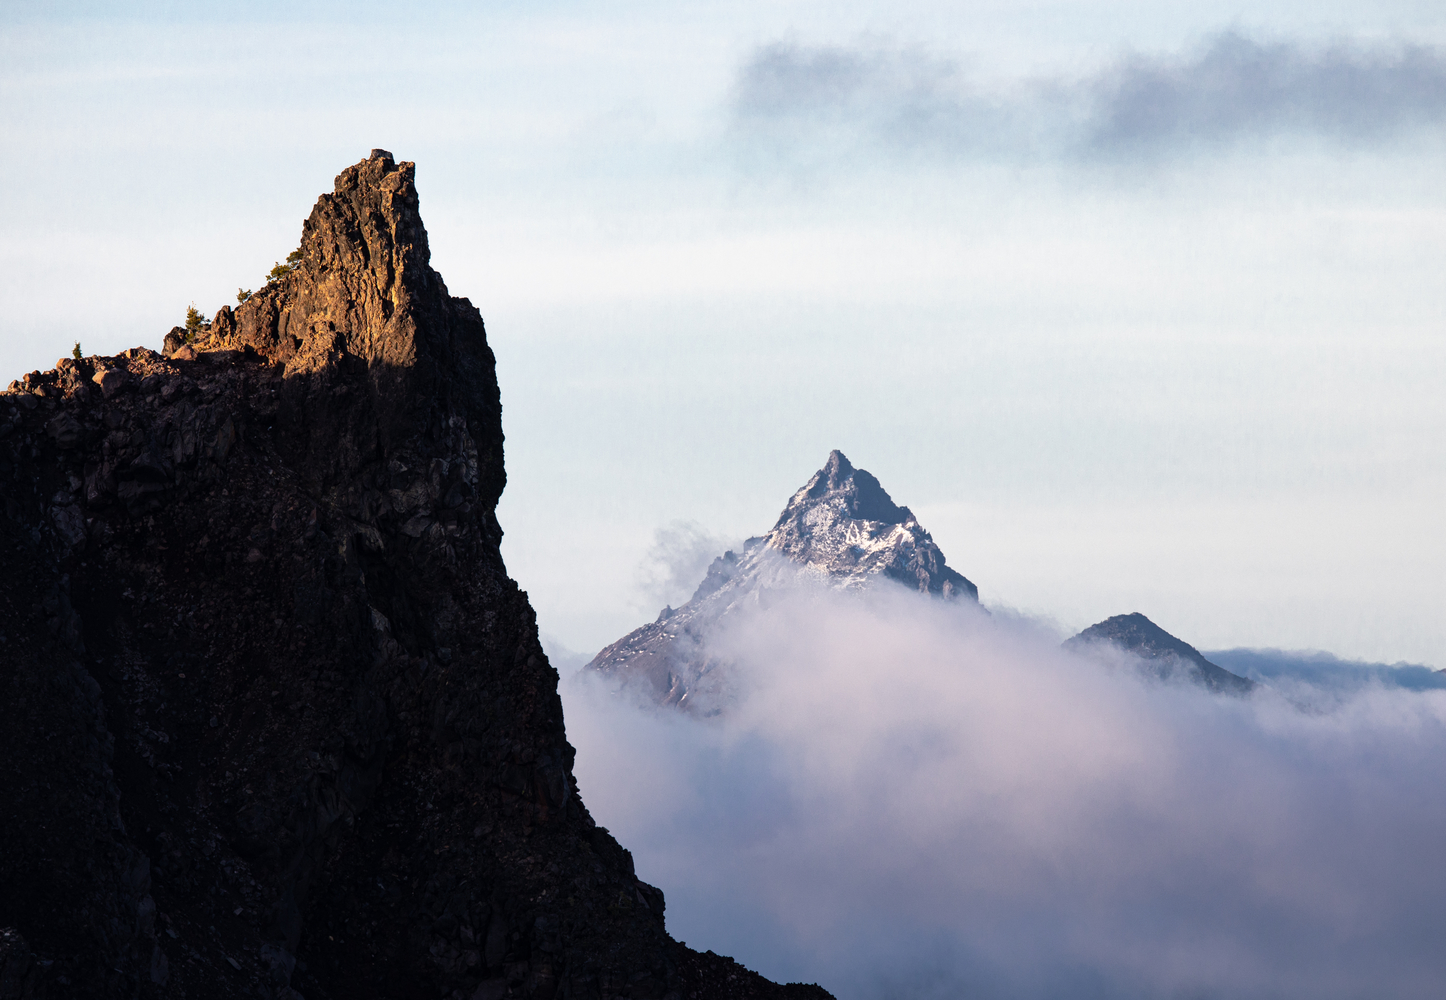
x: 906, y: 798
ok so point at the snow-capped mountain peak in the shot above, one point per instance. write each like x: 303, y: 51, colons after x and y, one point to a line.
x: 841, y: 529
x: 845, y: 524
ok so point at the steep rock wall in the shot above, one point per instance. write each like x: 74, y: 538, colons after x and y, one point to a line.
x: 279, y: 721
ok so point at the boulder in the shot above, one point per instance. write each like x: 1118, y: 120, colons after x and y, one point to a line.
x: 111, y: 381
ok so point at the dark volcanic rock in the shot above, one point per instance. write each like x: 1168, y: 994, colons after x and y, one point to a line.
x: 21, y: 976
x: 277, y: 719
x: 1165, y: 656
x: 841, y: 529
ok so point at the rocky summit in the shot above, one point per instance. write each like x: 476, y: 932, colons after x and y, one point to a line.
x: 841, y: 530
x: 277, y: 721
x: 1162, y: 656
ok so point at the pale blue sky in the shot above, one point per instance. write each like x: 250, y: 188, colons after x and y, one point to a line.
x: 1196, y: 374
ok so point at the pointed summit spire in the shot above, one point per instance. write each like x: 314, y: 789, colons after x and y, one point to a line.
x: 362, y: 285
x: 837, y: 468
x: 362, y: 292
x: 854, y: 494
x: 844, y: 522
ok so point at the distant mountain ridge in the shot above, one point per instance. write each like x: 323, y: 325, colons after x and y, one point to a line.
x: 1325, y: 670
x: 841, y: 529
x: 1165, y: 656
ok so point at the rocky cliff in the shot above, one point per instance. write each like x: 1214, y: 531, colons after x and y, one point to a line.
x: 1163, y: 656
x: 277, y: 721
x: 841, y: 529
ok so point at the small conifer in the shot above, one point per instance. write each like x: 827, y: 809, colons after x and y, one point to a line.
x: 194, y: 319
x: 280, y: 270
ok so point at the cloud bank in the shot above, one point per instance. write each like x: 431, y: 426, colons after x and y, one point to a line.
x: 827, y: 102
x: 910, y: 799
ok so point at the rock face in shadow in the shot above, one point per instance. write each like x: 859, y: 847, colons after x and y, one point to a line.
x: 841, y: 530
x: 278, y: 722
x: 1165, y: 657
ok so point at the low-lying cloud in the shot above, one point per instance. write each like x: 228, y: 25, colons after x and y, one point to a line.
x: 823, y: 103
x: 914, y: 799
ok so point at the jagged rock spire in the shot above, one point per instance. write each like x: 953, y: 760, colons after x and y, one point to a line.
x: 364, y: 297
x: 364, y: 285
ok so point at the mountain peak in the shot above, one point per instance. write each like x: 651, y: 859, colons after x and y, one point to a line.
x: 360, y: 295
x: 846, y: 492
x: 1167, y: 656
x: 838, y: 466
x: 844, y: 523
x: 361, y: 285
x: 840, y: 528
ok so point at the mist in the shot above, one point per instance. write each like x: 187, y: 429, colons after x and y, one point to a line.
x: 678, y: 558
x: 908, y: 798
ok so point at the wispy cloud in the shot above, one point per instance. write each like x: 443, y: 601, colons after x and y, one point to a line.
x: 675, y: 562
x: 837, y: 100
